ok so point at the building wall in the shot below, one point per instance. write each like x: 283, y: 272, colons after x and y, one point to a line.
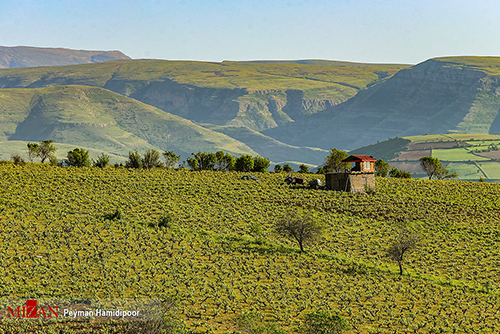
x: 356, y: 182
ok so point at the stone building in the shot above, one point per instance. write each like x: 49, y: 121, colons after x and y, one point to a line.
x: 359, y: 179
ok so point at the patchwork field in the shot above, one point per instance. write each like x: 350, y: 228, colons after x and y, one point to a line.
x: 57, y: 241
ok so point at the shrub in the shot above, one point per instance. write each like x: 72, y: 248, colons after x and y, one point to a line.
x: 323, y: 322
x: 278, y: 169
x: 17, y: 159
x: 102, y: 161
x: 244, y: 163
x: 78, y: 158
x: 260, y: 164
x: 134, y: 160
x: 151, y: 159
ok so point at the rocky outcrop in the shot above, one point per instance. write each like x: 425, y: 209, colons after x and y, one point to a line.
x: 432, y: 97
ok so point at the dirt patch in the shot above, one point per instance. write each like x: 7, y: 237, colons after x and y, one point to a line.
x: 426, y: 146
x: 413, y: 155
x: 491, y: 155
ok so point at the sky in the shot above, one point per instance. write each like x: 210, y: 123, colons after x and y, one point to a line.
x: 370, y: 31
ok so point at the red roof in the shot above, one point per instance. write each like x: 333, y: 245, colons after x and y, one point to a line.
x: 359, y: 158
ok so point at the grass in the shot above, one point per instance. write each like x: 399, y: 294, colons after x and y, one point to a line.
x: 456, y: 154
x: 103, y: 120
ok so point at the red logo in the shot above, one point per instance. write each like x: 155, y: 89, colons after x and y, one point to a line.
x: 31, y: 310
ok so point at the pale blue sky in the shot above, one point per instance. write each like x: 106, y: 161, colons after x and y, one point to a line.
x: 389, y: 31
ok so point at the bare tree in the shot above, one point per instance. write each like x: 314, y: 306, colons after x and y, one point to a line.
x: 405, y: 242
x: 300, y: 228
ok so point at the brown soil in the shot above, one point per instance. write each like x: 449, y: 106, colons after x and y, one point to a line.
x: 491, y: 155
x: 426, y: 146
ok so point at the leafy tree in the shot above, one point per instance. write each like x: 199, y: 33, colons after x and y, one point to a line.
x: 444, y: 173
x: 333, y: 161
x: 244, y: 163
x: 260, y: 164
x: 278, y: 169
x: 134, y: 160
x: 320, y: 170
x: 382, y: 168
x: 225, y: 161
x: 17, y: 159
x: 303, y: 169
x: 102, y: 161
x: 405, y: 242
x: 204, y: 161
x: 32, y: 151
x: 45, y: 150
x: 171, y: 159
x: 192, y: 163
x: 401, y: 174
x: 151, y: 159
x: 300, y: 228
x: 430, y: 165
x: 78, y: 158
x: 287, y: 168
x: 323, y: 322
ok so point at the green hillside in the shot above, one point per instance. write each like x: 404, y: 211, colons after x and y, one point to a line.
x: 102, y: 120
x: 256, y: 95
x: 472, y: 156
x: 456, y: 95
x: 57, y: 243
x: 268, y: 147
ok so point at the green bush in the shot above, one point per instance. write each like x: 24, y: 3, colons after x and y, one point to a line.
x: 323, y: 322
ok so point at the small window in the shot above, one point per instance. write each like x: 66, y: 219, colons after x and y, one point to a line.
x: 368, y: 165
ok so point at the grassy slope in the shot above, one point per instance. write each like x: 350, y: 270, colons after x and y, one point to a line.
x: 269, y: 147
x: 316, y: 80
x: 100, y: 119
x: 463, y: 160
x: 54, y: 242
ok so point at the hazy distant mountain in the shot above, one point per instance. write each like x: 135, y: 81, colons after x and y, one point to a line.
x: 27, y: 56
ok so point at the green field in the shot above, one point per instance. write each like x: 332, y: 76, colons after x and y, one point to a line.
x: 56, y: 243
x: 460, y: 148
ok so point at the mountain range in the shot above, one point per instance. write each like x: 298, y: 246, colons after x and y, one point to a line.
x: 289, y: 111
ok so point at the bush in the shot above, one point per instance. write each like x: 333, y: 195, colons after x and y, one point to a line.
x: 303, y: 169
x: 166, y: 221
x: 102, y: 161
x: 260, y: 164
x: 401, y: 174
x: 244, y: 163
x: 287, y: 168
x: 53, y: 161
x: 171, y: 159
x: 78, y: 158
x: 278, y: 169
x: 151, y: 159
x: 113, y: 216
x: 254, y: 323
x: 323, y: 322
x: 17, y: 159
x: 134, y: 160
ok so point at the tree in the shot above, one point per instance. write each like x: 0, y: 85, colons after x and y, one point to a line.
x: 320, y: 170
x: 260, y: 164
x: 244, y: 163
x: 303, y: 169
x: 225, y: 161
x: 45, y: 150
x: 192, y: 163
x: 382, y: 168
x: 278, y: 169
x: 102, y: 161
x: 400, y: 174
x: 32, y: 151
x: 78, y: 158
x: 405, y: 242
x: 430, y: 165
x: 134, y: 160
x: 151, y: 159
x: 171, y: 159
x: 323, y: 322
x: 333, y: 161
x: 300, y: 228
x: 287, y: 168
x: 204, y: 160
